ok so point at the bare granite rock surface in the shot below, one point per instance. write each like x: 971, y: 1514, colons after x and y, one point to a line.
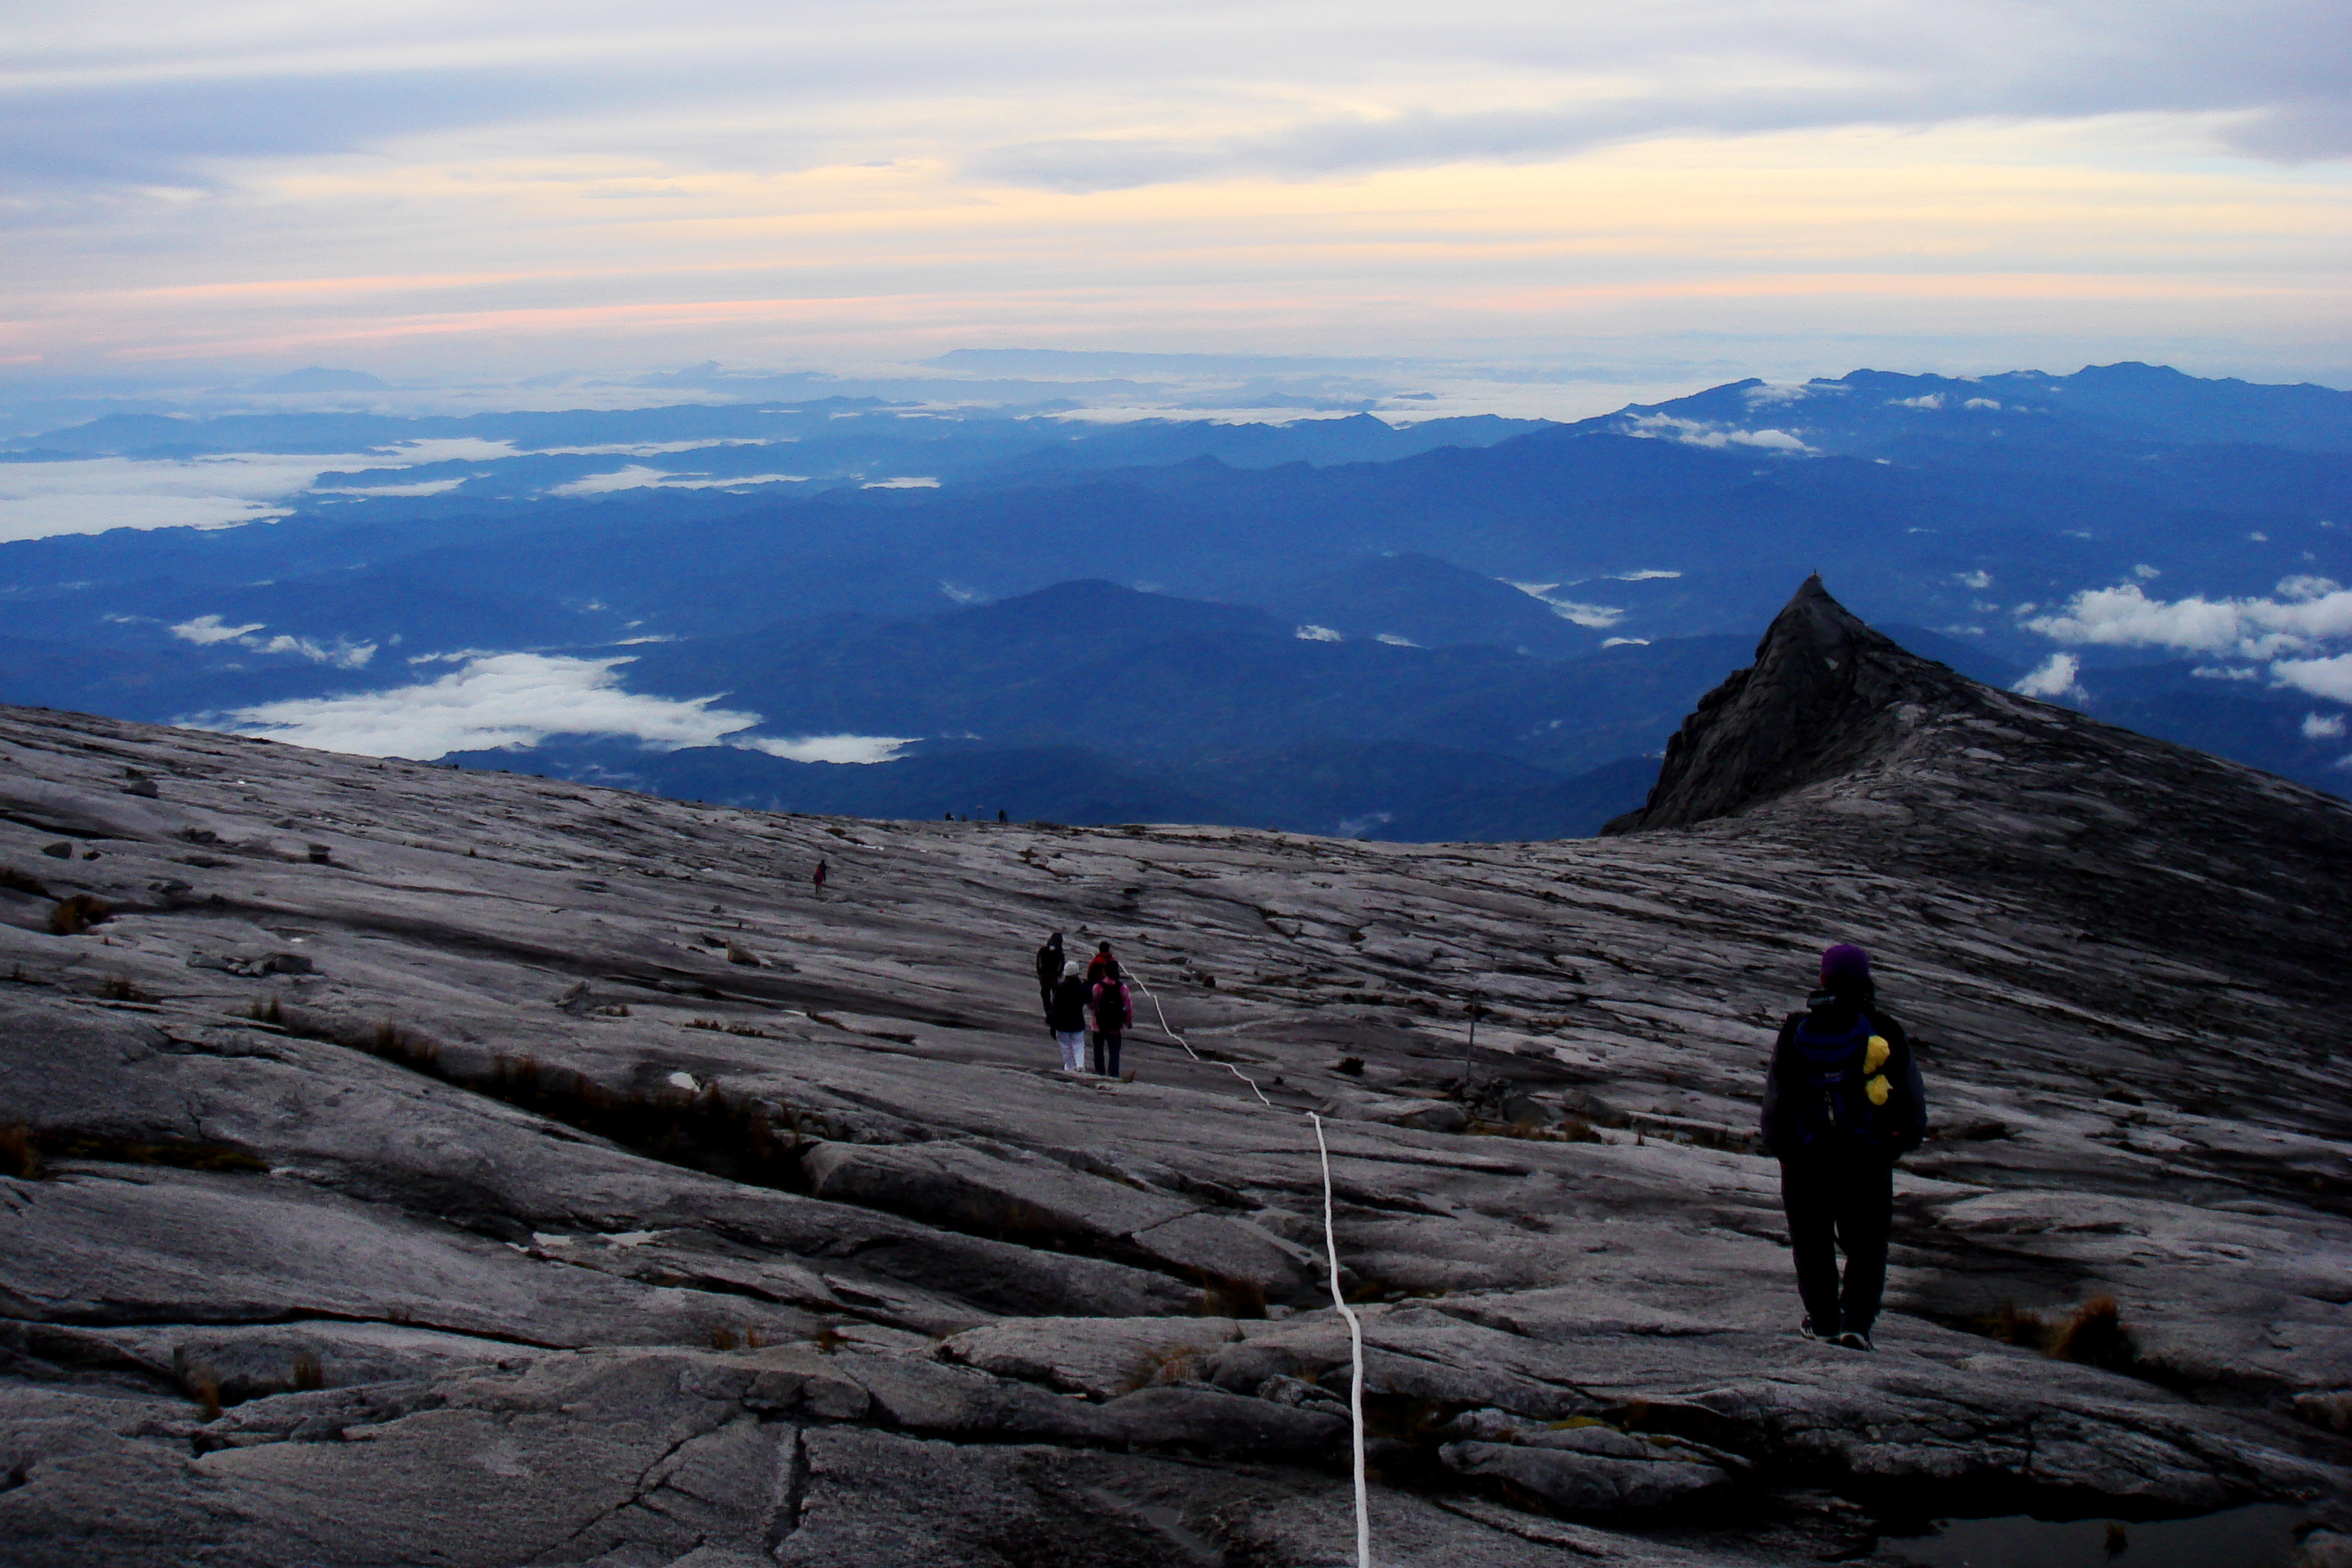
x: 546, y: 1175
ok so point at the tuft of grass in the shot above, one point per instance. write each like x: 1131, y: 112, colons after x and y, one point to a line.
x: 308, y: 1372
x: 77, y: 913
x: 731, y: 1027
x: 265, y: 1010
x: 20, y: 1156
x: 722, y: 1338
x: 204, y: 1386
x: 2093, y: 1334
x: 119, y: 988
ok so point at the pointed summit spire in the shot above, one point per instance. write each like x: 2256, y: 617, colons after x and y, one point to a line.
x: 1819, y: 700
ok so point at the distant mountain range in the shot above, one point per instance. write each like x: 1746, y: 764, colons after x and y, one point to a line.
x: 1469, y: 627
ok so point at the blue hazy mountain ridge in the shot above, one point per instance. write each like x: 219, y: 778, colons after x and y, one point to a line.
x: 1872, y: 411
x: 1153, y: 675
x: 1399, y: 790
x: 1662, y: 528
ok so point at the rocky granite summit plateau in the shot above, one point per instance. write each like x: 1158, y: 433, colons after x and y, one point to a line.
x: 412, y: 1166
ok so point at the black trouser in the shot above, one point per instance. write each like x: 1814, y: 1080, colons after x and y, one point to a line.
x: 1106, y: 1054
x: 1839, y: 1205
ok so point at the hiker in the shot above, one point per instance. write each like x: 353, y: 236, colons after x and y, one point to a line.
x: 1049, y: 969
x: 1114, y: 1013
x: 1065, y: 1014
x: 1101, y: 960
x: 816, y: 881
x: 1843, y: 1102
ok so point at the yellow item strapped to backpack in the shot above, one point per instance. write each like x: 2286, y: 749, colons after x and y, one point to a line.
x: 1873, y: 1058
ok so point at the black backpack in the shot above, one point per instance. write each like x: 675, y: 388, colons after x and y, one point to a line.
x: 1831, y: 1078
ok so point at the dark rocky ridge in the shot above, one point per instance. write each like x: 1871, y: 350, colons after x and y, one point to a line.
x: 479, y: 1268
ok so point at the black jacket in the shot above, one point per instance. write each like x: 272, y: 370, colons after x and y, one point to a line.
x: 1905, y: 1115
x: 1049, y: 965
x: 1066, y: 1013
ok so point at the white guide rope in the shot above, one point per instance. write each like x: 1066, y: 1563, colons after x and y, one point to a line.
x: 1331, y: 1250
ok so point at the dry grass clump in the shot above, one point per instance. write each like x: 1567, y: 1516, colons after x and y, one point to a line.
x: 77, y: 913
x: 119, y: 988
x: 309, y: 1373
x: 2093, y: 1334
x: 731, y: 1027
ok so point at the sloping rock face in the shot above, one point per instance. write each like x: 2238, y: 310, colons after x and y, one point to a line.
x: 1824, y: 697
x: 529, y: 1174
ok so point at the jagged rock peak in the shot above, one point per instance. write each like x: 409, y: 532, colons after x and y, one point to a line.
x: 1820, y: 699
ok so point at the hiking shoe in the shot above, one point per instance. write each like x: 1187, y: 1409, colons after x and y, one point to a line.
x: 1805, y: 1330
x: 1855, y: 1339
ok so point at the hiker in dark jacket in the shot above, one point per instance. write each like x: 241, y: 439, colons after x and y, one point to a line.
x: 1114, y: 1014
x: 1049, y: 970
x: 1843, y: 1102
x: 1065, y: 1014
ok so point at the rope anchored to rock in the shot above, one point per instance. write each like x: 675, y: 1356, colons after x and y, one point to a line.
x: 1331, y: 1252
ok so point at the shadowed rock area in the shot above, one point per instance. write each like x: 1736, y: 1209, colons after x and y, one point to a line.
x: 402, y: 1165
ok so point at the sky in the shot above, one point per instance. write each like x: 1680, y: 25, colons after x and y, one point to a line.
x: 1673, y: 192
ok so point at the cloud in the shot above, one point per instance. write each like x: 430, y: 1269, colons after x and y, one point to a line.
x: 93, y: 495
x: 1317, y: 633
x: 2328, y: 678
x: 206, y: 631
x: 2305, y: 611
x: 2054, y: 679
x: 502, y: 699
x: 1394, y: 641
x: 421, y: 488
x: 1927, y: 400
x: 1597, y: 616
x: 1647, y: 574
x: 828, y: 747
x: 637, y: 476
x: 1980, y: 581
x: 2323, y: 726
x: 378, y: 182
x: 1703, y: 433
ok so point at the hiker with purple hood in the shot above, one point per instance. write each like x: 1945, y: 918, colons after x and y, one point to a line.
x: 1843, y: 1102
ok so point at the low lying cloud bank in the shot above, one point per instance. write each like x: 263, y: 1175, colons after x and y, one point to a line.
x: 846, y: 749
x: 209, y: 631
x: 497, y: 699
x: 2304, y: 611
x: 639, y: 477
x: 1700, y: 433
x: 2304, y: 615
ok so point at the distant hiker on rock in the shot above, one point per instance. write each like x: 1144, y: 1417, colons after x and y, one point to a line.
x: 1114, y: 1015
x: 1101, y: 960
x: 1065, y: 1014
x: 816, y: 881
x: 1050, y: 959
x: 1843, y: 1102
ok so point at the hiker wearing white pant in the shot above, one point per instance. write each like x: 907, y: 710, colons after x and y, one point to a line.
x: 1065, y: 1014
